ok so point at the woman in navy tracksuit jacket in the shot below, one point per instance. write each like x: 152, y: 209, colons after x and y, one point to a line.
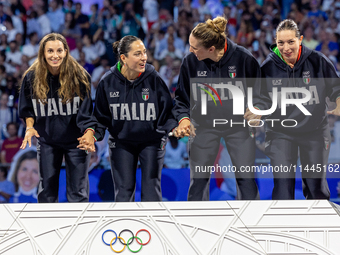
x: 214, y: 63
x: 54, y: 102
x: 292, y: 65
x: 134, y: 104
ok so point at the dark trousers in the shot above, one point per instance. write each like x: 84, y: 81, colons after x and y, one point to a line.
x: 50, y: 158
x: 284, y: 149
x: 124, y: 157
x: 203, y: 152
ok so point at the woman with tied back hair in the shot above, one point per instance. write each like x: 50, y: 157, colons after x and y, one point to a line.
x: 291, y: 65
x: 54, y: 102
x: 134, y: 104
x: 214, y: 59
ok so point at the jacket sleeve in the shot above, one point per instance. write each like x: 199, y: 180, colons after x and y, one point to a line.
x: 85, y: 118
x: 166, y: 121
x: 101, y: 111
x: 331, y: 79
x: 261, y: 98
x: 25, y: 105
x: 182, y: 94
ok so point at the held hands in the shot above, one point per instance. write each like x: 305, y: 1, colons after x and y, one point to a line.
x: 253, y: 117
x: 86, y: 142
x: 185, y: 128
x: 30, y: 132
x: 336, y: 111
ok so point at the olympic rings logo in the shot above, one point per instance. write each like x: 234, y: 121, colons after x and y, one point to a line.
x: 129, y: 242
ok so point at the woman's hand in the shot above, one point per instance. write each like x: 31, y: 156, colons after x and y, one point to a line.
x: 86, y: 142
x: 185, y: 128
x: 30, y: 132
x: 253, y: 118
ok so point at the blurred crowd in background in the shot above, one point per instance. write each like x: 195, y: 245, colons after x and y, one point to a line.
x: 164, y: 26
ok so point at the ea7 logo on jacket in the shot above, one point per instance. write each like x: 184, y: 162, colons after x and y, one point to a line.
x: 114, y: 94
x: 141, y: 111
x: 276, y: 82
x: 201, y: 73
x: 232, y: 71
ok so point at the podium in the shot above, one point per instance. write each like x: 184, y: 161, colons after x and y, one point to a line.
x: 171, y: 228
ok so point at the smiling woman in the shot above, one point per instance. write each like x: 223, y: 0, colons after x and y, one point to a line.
x: 53, y: 84
x: 295, y: 66
x: 134, y: 104
x: 26, y: 178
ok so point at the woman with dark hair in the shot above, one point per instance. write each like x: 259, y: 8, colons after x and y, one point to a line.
x: 54, y: 102
x: 70, y: 30
x: 292, y: 65
x: 134, y: 104
x: 217, y: 66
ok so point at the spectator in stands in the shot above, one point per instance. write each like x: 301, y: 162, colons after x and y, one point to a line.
x: 79, y: 48
x: 91, y: 54
x: 295, y: 13
x: 82, y: 20
x: 98, y: 41
x: 82, y: 61
x: 6, y: 187
x: 173, y: 81
x: 326, y: 46
x: 43, y: 20
x: 152, y: 61
x: 3, y: 76
x: 69, y: 7
x: 308, y: 39
x: 31, y: 49
x: 9, y: 69
x: 315, y: 11
x: 13, y: 57
x: 12, y: 91
x: 7, y: 114
x: 150, y: 12
x: 33, y: 25
x: 26, y: 178
x: 111, y: 32
x: 2, y: 13
x: 18, y: 9
x: 12, y: 144
x: 171, y: 50
x: 98, y: 72
x: 3, y: 42
x: 245, y: 35
x: 95, y: 19
x: 70, y: 30
x: 10, y: 30
x: 17, y: 22
x: 56, y: 15
x: 129, y: 21
x: 166, y: 70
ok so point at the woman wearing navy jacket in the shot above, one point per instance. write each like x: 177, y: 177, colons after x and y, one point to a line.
x: 291, y: 64
x: 54, y: 102
x: 215, y: 67
x: 134, y: 104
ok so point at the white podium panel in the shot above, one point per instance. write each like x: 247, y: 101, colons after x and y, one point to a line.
x: 171, y: 228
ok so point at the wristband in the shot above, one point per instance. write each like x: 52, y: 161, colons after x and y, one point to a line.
x: 95, y: 139
x: 184, y: 118
x: 90, y: 129
x: 28, y: 129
